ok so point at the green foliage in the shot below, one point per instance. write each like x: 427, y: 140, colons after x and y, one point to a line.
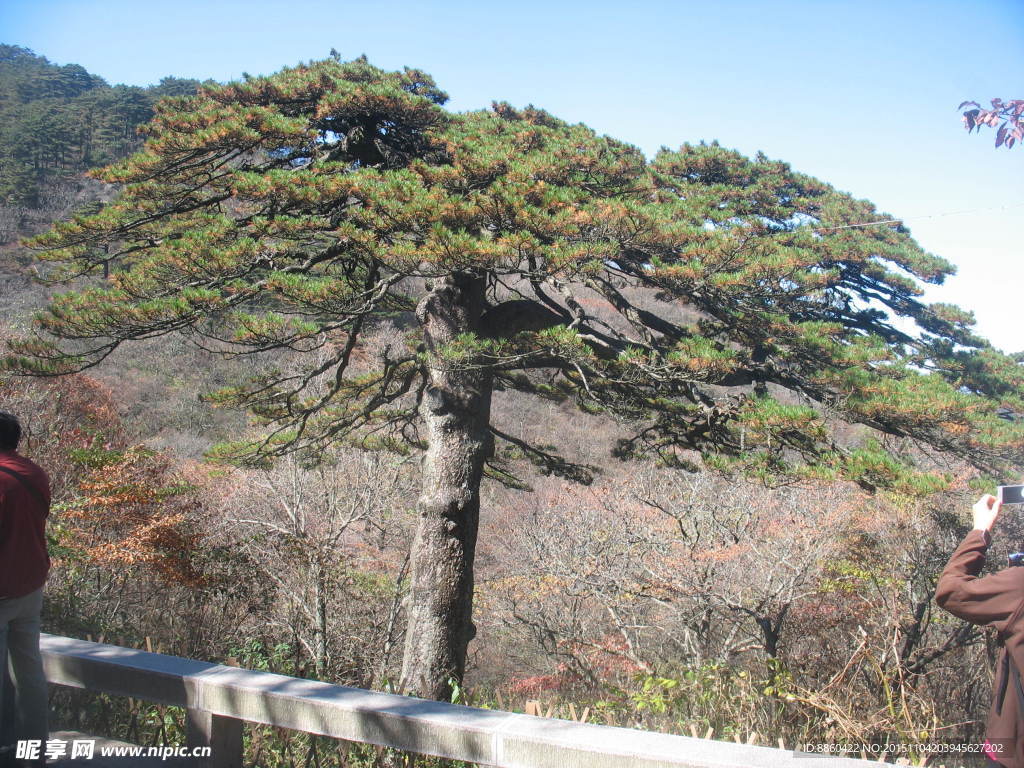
x: 60, y: 541
x: 853, y: 578
x: 60, y: 120
x: 96, y: 457
x: 296, y: 212
x: 723, y: 697
x: 255, y: 654
x: 654, y: 694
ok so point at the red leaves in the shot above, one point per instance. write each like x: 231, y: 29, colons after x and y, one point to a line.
x: 1008, y: 116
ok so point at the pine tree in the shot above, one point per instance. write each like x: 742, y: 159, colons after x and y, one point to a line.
x: 746, y: 314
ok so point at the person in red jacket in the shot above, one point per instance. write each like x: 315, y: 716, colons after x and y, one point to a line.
x: 24, y: 564
x: 995, y: 600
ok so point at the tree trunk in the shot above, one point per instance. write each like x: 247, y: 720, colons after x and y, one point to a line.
x: 456, y: 410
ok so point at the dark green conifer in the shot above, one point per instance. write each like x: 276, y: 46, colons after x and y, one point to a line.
x: 57, y: 121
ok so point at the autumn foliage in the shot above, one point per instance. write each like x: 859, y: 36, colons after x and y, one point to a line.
x: 114, y: 504
x: 129, y: 511
x: 1007, y: 117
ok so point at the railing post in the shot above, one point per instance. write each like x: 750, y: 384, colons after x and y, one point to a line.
x: 223, y: 735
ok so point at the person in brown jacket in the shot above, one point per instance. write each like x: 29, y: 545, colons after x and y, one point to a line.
x: 995, y: 600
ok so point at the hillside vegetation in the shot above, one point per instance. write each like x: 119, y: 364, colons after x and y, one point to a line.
x: 57, y: 122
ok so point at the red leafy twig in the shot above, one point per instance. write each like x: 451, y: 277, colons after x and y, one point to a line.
x: 1006, y: 116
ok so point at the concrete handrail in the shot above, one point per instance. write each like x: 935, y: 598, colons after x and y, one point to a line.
x: 218, y: 699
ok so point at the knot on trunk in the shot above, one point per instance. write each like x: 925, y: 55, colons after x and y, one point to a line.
x: 435, y: 401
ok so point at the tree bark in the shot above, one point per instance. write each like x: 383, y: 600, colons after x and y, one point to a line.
x: 456, y: 411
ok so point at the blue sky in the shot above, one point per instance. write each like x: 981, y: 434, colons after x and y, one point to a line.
x: 860, y: 94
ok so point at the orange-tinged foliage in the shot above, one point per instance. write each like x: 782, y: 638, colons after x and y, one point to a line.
x: 130, y: 514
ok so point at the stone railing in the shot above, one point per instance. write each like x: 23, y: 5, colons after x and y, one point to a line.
x: 218, y: 700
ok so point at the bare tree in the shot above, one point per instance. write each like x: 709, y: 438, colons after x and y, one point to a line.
x: 329, y: 538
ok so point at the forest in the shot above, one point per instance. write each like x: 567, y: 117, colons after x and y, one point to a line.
x: 484, y: 407
x: 56, y: 122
